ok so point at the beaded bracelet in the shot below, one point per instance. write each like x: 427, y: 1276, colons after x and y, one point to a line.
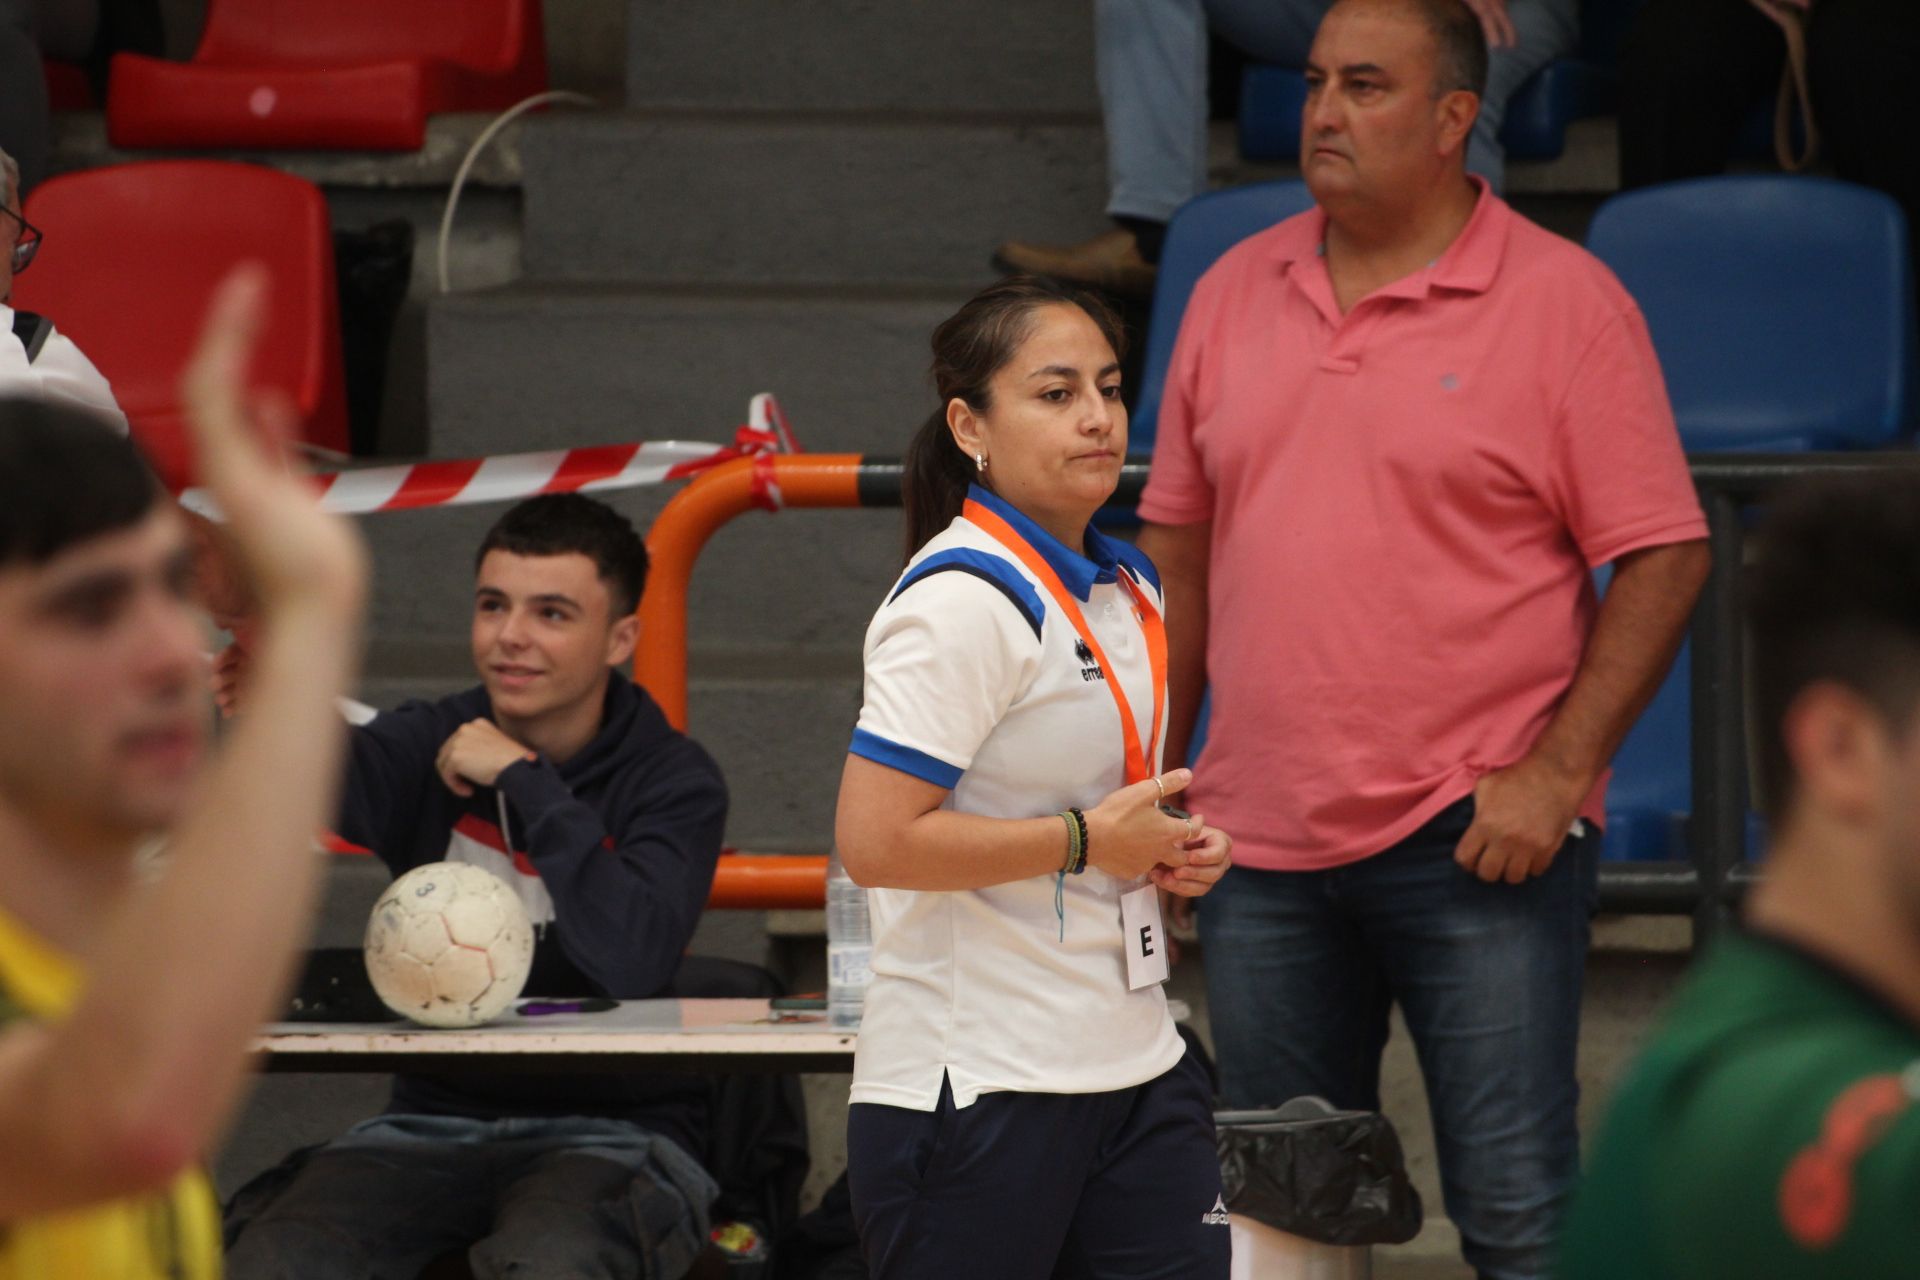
x: 1081, y: 845
x: 1073, y: 841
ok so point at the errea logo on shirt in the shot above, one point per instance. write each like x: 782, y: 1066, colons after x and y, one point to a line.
x: 1216, y: 1216
x: 1089, y: 669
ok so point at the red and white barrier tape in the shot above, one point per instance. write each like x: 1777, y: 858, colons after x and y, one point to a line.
x: 512, y: 476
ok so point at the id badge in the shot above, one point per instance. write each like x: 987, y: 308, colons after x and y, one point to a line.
x: 1144, y: 937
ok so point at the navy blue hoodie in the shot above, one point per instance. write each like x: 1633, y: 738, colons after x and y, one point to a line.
x: 613, y: 853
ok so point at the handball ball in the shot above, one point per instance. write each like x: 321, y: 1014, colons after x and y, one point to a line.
x: 449, y: 945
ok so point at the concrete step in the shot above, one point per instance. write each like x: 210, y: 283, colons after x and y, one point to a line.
x: 841, y: 197
x: 542, y: 366
x: 804, y: 581
x: 384, y: 692
x: 756, y: 197
x: 781, y: 743
x: 422, y: 593
x: 80, y: 142
x: 862, y: 54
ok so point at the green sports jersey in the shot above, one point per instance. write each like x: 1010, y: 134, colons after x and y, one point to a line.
x: 1768, y: 1131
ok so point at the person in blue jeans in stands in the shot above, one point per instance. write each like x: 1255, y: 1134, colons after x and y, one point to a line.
x: 1400, y: 432
x: 1152, y: 63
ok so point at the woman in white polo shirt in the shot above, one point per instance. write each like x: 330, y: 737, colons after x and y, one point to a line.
x: 1022, y: 1103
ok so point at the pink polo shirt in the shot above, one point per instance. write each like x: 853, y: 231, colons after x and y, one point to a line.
x: 1407, y: 501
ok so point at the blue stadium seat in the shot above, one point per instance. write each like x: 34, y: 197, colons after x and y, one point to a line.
x: 1535, y: 127
x: 1651, y: 794
x: 1783, y: 313
x: 1652, y: 788
x: 1271, y: 99
x: 1782, y: 307
x: 1201, y: 230
x: 1565, y: 90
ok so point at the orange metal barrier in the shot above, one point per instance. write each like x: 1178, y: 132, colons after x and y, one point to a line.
x: 682, y: 529
x: 744, y: 880
x: 770, y: 882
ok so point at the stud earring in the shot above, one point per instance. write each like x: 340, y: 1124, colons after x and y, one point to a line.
x: 980, y: 461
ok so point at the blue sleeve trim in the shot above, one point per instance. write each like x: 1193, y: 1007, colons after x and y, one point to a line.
x: 1136, y: 560
x: 990, y: 569
x: 871, y: 746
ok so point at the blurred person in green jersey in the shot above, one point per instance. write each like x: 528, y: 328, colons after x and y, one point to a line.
x: 1770, y: 1129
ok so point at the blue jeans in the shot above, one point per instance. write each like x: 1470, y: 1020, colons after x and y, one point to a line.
x: 1151, y: 58
x: 1302, y: 968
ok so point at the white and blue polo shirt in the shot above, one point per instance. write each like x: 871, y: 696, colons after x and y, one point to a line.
x: 975, y: 682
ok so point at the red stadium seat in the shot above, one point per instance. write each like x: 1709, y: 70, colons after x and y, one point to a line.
x: 348, y: 75
x: 131, y: 256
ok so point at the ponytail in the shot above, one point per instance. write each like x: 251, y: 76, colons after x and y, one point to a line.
x: 934, y: 486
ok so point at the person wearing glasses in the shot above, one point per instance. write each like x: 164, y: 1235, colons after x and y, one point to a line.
x: 36, y: 359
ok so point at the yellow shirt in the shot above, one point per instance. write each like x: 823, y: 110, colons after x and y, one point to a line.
x: 170, y: 1235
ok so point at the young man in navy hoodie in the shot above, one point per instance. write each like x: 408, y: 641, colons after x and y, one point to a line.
x: 564, y: 778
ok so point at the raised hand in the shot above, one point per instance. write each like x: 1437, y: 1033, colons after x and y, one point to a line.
x: 293, y: 554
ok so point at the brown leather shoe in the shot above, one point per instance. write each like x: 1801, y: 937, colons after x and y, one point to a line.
x: 1110, y: 261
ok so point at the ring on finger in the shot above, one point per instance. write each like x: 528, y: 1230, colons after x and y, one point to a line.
x: 1189, y: 822
x: 1162, y: 788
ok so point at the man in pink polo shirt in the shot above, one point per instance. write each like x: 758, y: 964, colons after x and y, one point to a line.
x: 1399, y: 432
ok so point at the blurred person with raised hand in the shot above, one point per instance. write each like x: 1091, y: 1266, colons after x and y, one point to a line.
x: 129, y: 991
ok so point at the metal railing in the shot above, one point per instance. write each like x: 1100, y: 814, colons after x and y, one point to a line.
x: 1707, y: 887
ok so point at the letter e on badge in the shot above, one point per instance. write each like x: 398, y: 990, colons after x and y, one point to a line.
x: 1144, y: 937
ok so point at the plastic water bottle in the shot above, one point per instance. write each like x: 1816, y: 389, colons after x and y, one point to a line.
x: 849, y: 946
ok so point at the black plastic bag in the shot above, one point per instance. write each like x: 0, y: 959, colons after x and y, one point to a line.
x: 1307, y: 1169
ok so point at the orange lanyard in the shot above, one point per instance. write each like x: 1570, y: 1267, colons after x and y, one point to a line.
x: 1139, y: 762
